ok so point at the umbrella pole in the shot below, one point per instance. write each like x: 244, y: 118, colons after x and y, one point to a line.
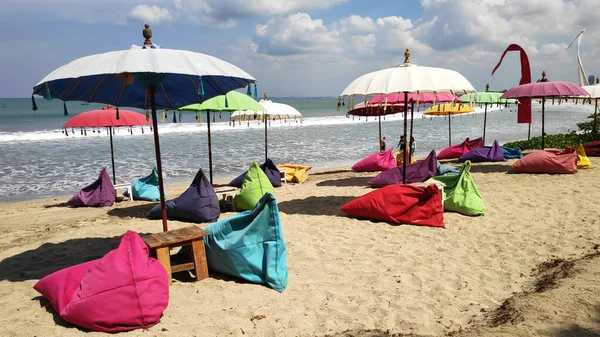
x: 412, y: 109
x: 379, y: 132
x: 112, y: 155
x: 529, y: 132
x: 449, y: 129
x: 404, y: 154
x: 266, y: 143
x: 543, y: 135
x: 595, y: 128
x: 209, y: 147
x: 484, y: 122
x: 161, y: 188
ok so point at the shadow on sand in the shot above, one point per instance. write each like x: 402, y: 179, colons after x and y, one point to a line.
x: 137, y: 211
x: 328, y: 205
x: 345, y: 182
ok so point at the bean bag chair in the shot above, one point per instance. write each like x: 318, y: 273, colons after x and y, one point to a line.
x: 481, y: 154
x: 400, y: 158
x: 547, y: 161
x: 250, y: 245
x: 295, y: 173
x: 199, y: 203
x: 255, y: 185
x: 512, y: 153
x: 124, y: 290
x: 400, y: 204
x: 583, y: 162
x: 268, y: 168
x: 379, y: 161
x: 460, y: 192
x: 592, y: 149
x: 100, y: 193
x: 457, y: 150
x: 146, y: 188
x: 415, y: 173
x: 446, y: 170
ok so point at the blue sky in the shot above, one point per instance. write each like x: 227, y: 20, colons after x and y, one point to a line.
x: 305, y: 47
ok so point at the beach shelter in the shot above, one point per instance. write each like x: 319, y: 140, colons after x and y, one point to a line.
x: 230, y: 102
x: 146, y: 77
x: 272, y: 111
x: 408, y: 78
x: 449, y: 110
x: 545, y: 89
x: 110, y: 118
x: 486, y: 98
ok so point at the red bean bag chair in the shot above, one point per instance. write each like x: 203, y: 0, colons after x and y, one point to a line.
x: 547, y: 161
x: 400, y: 204
x: 379, y: 161
x: 592, y: 149
x: 457, y: 150
x: 124, y: 290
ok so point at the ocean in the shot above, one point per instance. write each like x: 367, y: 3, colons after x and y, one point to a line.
x: 38, y: 161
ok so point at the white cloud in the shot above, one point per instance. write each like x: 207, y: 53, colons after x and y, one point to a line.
x: 355, y: 24
x: 149, y: 14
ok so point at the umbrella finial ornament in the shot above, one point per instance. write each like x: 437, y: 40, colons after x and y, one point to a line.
x: 544, y: 79
x: 597, y: 80
x: 265, y: 96
x: 407, y: 56
x: 147, y: 32
x: 487, y: 87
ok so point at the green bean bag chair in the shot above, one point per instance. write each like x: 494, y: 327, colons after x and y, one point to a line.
x: 460, y: 192
x: 255, y: 185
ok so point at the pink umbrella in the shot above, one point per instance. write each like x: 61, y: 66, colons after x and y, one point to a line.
x: 543, y: 89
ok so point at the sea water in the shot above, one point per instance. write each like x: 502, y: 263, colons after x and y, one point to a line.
x: 38, y: 160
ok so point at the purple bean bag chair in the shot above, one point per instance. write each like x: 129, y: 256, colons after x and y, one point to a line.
x: 199, y: 203
x: 124, y: 290
x: 484, y: 154
x: 269, y: 168
x: 100, y: 193
x: 415, y: 173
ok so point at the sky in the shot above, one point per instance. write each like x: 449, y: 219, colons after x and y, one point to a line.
x: 306, y: 48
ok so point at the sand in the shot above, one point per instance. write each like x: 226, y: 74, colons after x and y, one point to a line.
x: 348, y: 276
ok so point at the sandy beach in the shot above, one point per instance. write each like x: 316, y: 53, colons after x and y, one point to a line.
x: 528, y: 267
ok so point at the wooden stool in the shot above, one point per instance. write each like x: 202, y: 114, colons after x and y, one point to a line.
x: 160, y: 243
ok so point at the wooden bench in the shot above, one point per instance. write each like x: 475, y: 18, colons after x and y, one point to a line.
x: 191, y: 239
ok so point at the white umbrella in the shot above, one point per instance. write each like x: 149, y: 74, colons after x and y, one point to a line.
x: 409, y: 78
x: 144, y: 77
x: 273, y: 111
x: 594, y: 91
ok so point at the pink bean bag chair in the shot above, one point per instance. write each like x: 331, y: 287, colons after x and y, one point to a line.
x: 547, y: 161
x: 124, y: 290
x: 379, y: 161
x: 457, y: 150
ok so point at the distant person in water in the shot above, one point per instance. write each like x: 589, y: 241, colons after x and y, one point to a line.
x: 382, y: 145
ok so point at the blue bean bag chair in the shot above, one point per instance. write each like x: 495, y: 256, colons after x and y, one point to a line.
x: 512, y: 153
x: 482, y: 154
x: 199, y: 203
x: 447, y: 170
x: 269, y: 168
x: 146, y: 188
x: 250, y: 245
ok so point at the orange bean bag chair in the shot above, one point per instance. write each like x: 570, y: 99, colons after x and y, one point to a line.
x: 547, y: 161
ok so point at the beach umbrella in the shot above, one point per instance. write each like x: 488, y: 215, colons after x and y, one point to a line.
x: 545, y: 89
x: 449, y: 109
x: 486, y: 97
x: 146, y: 77
x: 272, y: 111
x: 107, y: 118
x: 594, y: 92
x: 231, y: 101
x: 375, y: 110
x: 408, y: 78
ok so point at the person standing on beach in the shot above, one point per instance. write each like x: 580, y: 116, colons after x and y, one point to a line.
x: 382, y: 145
x: 411, y: 144
x: 402, y: 144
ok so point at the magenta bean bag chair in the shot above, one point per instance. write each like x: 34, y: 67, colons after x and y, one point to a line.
x: 379, y: 161
x: 547, y: 161
x: 457, y: 150
x: 124, y: 290
x: 417, y: 172
x: 482, y: 154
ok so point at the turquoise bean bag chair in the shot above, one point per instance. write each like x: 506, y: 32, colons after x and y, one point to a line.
x: 146, y: 188
x: 512, y: 153
x: 250, y: 245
